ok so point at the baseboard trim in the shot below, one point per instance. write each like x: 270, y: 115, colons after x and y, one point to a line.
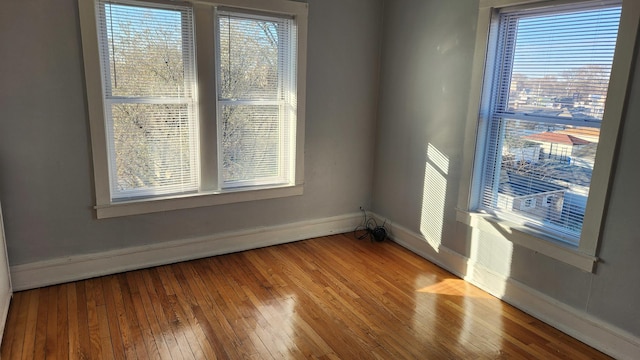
x: 583, y: 326
x: 73, y: 268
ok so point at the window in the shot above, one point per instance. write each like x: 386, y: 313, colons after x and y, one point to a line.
x: 147, y: 60
x: 550, y: 200
x: 550, y: 77
x: 193, y: 104
x: 544, y: 113
x: 256, y: 98
x: 528, y: 203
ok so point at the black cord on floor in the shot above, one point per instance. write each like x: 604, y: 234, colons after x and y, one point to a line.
x: 369, y: 228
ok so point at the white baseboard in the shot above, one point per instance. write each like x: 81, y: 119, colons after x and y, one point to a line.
x: 73, y: 268
x: 581, y: 325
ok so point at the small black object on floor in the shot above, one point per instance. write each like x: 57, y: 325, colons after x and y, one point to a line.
x: 370, y: 228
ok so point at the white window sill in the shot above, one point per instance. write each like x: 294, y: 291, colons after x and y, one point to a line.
x: 145, y: 206
x: 528, y: 238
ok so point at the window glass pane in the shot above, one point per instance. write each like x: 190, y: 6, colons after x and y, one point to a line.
x: 544, y: 174
x: 562, y: 62
x: 249, y: 57
x: 145, y: 48
x: 251, y: 142
x: 152, y: 149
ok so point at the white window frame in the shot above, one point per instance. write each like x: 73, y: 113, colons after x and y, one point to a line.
x: 285, y: 83
x: 210, y: 192
x: 582, y: 256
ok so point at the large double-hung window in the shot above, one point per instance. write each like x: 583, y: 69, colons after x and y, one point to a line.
x: 194, y: 104
x: 545, y: 111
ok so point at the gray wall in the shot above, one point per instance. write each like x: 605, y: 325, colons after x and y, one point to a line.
x: 425, y: 81
x: 46, y: 184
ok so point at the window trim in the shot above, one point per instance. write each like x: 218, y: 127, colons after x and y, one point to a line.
x: 209, y: 193
x: 615, y: 108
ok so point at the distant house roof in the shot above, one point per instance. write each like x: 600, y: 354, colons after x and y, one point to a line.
x: 584, y: 133
x: 556, y: 138
x: 520, y: 185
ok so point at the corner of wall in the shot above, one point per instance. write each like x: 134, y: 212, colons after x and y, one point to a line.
x: 577, y: 323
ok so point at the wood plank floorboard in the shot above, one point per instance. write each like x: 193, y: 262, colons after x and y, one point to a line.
x: 332, y: 297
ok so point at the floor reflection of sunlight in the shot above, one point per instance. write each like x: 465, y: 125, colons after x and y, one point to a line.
x: 434, y: 196
x: 279, y: 315
x: 454, y: 287
x: 479, y: 329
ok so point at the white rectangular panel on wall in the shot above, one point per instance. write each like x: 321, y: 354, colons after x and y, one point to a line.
x: 5, y: 279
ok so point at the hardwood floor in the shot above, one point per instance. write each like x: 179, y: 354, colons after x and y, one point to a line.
x: 332, y: 297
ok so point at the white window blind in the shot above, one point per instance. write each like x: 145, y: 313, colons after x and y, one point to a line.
x: 549, y: 83
x: 147, y: 61
x: 256, y: 98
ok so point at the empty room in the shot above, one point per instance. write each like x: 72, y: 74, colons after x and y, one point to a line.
x: 319, y: 179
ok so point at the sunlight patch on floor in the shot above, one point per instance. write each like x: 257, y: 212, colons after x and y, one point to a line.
x: 454, y: 287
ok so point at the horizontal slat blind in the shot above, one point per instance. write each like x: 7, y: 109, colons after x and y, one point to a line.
x: 256, y: 98
x: 147, y: 58
x: 561, y: 61
x: 550, y: 84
